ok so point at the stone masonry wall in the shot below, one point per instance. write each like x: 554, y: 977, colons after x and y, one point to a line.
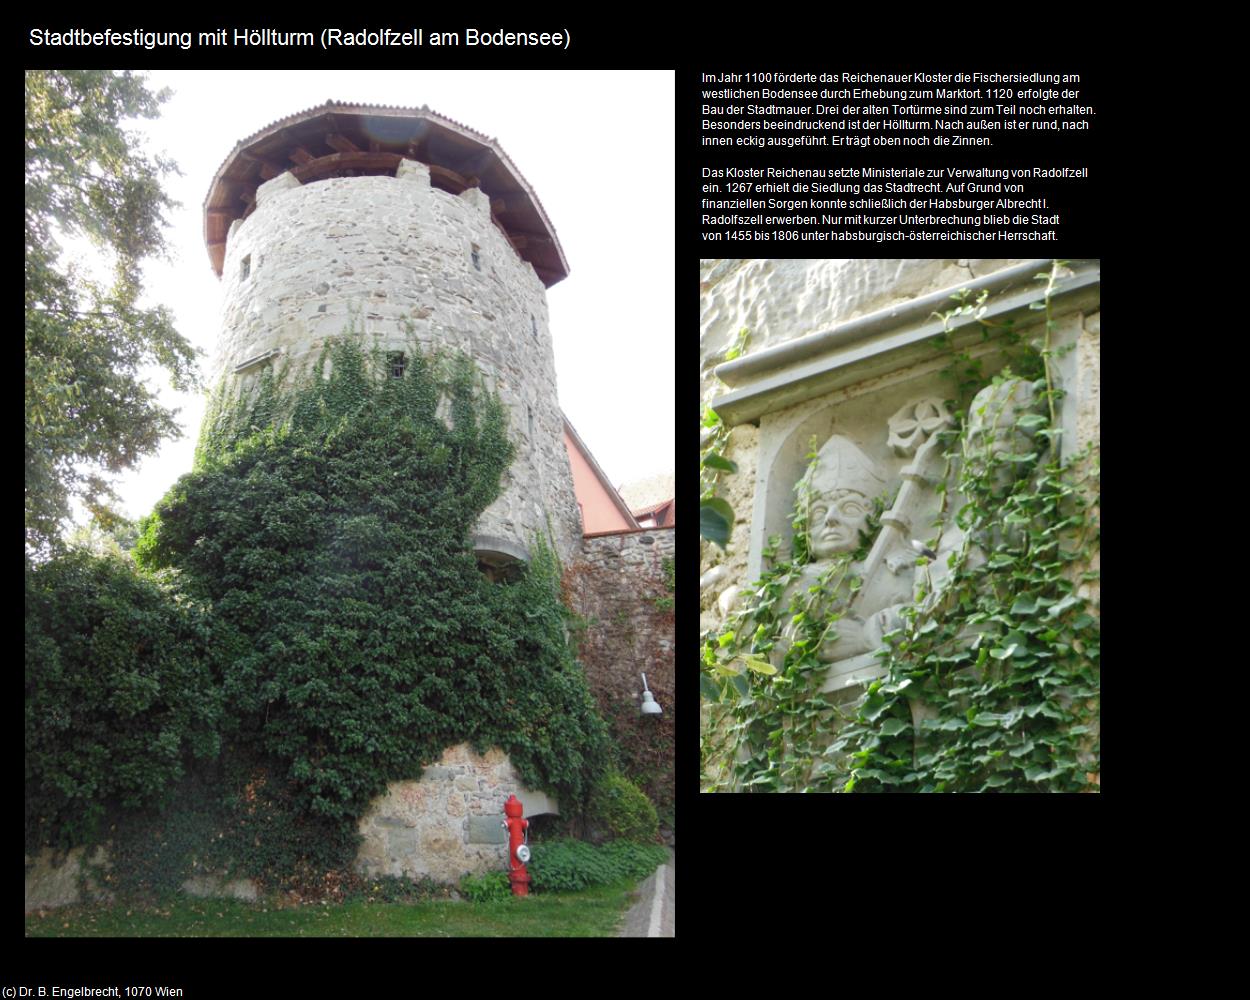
x: 447, y: 823
x: 620, y: 590
x: 394, y: 258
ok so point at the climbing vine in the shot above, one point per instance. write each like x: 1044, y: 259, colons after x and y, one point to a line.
x: 716, y: 517
x: 991, y: 678
x: 324, y: 533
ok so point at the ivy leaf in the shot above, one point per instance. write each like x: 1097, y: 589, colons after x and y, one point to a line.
x: 759, y: 665
x: 708, y: 688
x: 716, y: 520
x: 892, y: 727
x: 1025, y: 605
x: 1002, y: 654
x: 714, y: 461
x: 1012, y: 717
x: 1070, y: 601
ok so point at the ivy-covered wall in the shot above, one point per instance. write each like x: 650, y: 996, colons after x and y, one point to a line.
x: 622, y: 592
x: 309, y: 624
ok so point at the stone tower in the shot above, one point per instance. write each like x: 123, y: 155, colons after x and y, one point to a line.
x: 399, y: 224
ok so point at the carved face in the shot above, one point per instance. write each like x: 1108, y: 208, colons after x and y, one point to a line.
x: 992, y: 429
x: 835, y: 519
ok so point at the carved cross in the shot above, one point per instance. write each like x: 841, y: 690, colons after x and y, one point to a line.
x: 915, y: 423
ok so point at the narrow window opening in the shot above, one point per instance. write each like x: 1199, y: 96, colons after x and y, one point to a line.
x: 476, y: 254
x: 534, y: 325
x: 530, y: 412
x: 396, y: 363
x: 246, y: 269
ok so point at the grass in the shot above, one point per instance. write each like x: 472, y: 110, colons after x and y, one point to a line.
x: 595, y: 912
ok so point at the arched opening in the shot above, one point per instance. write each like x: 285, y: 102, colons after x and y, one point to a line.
x: 499, y: 559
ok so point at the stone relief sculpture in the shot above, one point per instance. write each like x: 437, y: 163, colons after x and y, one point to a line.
x: 837, y: 493
x: 967, y: 534
x: 909, y: 561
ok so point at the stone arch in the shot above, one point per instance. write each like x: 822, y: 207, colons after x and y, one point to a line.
x: 500, y: 559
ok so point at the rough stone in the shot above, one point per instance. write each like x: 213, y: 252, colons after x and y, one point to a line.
x: 782, y: 300
x: 216, y: 886
x: 52, y: 881
x: 486, y: 830
x: 619, y: 589
x: 439, y: 826
x: 330, y: 250
x: 57, y: 878
x: 283, y: 182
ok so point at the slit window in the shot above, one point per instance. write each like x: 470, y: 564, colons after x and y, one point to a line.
x: 395, y: 364
x: 476, y: 254
x: 534, y: 325
x: 246, y: 268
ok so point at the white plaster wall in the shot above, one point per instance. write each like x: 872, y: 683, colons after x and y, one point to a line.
x: 780, y: 300
x: 389, y: 255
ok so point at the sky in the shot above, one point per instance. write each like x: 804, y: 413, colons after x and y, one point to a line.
x: 597, y: 149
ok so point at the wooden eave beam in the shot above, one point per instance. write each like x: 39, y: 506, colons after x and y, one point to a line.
x: 323, y: 166
x: 341, y: 143
x: 269, y: 170
x: 447, y: 174
x: 478, y: 162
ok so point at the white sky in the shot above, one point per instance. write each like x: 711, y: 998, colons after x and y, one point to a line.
x: 596, y: 147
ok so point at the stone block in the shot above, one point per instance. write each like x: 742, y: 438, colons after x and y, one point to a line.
x: 51, y: 884
x: 283, y: 182
x: 487, y: 830
x: 478, y: 199
x: 401, y: 843
x: 413, y: 172
x: 217, y: 887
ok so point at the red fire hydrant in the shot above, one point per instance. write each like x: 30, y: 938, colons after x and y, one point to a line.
x: 518, y: 850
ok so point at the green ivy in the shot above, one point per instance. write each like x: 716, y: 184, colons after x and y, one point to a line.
x: 326, y: 528
x: 120, y: 694
x: 619, y: 808
x: 1001, y: 668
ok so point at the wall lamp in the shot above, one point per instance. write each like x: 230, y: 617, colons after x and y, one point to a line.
x: 649, y: 705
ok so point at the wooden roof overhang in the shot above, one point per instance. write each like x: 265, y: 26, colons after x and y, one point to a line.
x: 344, y: 140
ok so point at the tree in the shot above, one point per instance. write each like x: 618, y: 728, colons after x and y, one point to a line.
x: 88, y: 410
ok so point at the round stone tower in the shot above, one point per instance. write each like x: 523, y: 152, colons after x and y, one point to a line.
x: 396, y: 224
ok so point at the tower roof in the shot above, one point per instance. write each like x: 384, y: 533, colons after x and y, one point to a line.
x: 337, y: 139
